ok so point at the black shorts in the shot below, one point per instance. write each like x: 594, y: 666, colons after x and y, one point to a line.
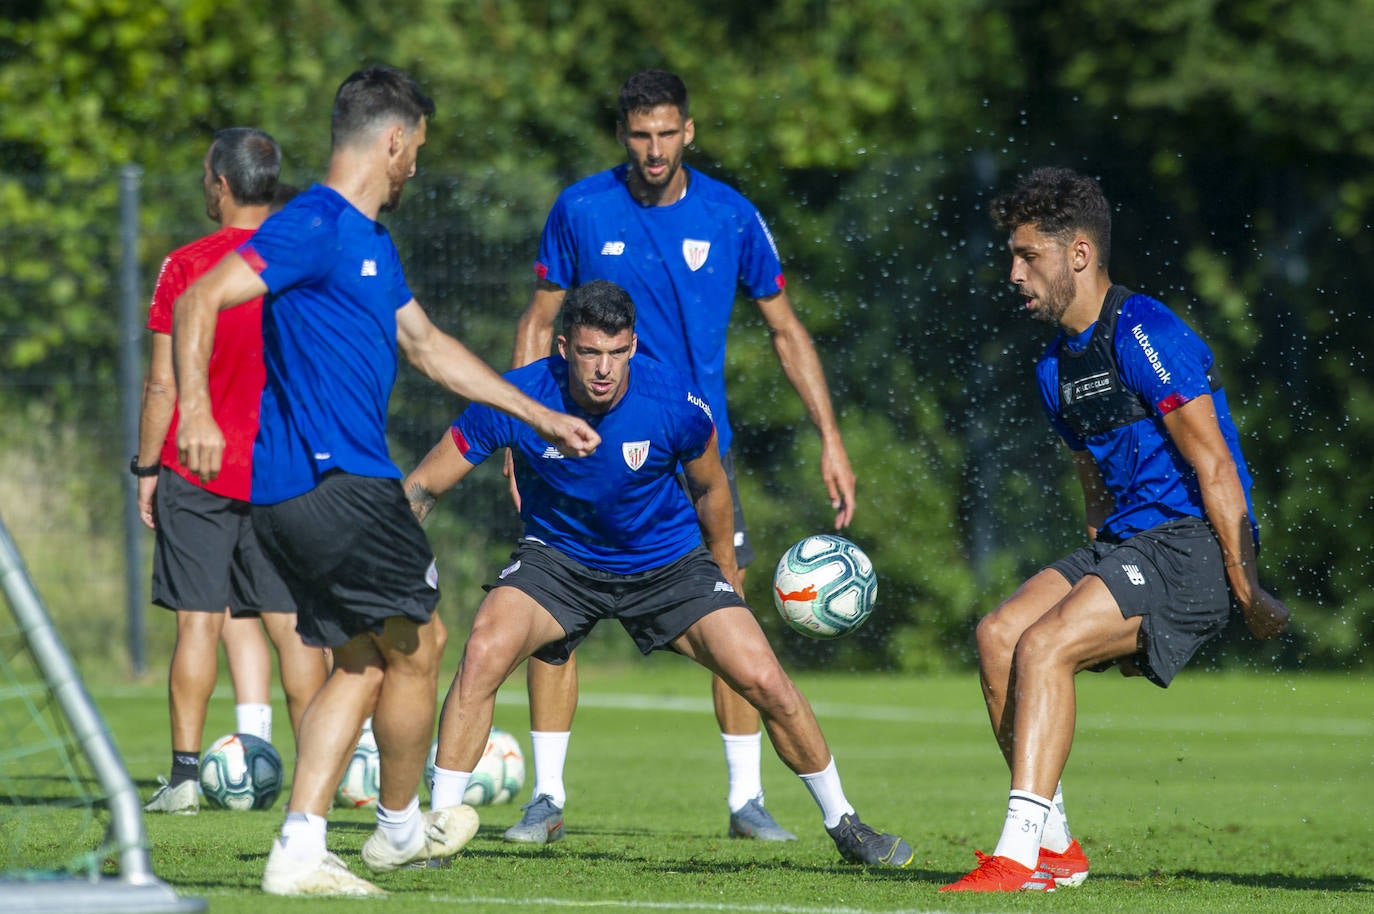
x: 1171, y: 576
x: 654, y: 607
x: 353, y: 555
x: 207, y: 556
x: 744, y: 549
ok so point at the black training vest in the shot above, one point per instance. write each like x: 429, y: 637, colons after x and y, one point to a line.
x: 1092, y: 397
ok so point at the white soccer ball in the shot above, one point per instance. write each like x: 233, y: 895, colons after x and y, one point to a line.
x: 240, y: 771
x: 361, y: 783
x: 499, y: 775
x: 825, y: 586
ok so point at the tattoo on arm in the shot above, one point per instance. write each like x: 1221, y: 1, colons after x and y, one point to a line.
x: 421, y: 500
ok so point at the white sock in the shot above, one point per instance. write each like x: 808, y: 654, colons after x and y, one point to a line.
x: 302, y: 836
x: 1026, y: 814
x: 1057, y: 836
x: 549, y: 750
x: 449, y: 787
x: 401, y: 827
x: 829, y: 795
x: 254, y: 719
x: 743, y: 758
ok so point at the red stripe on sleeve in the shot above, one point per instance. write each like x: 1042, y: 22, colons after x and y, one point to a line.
x: 1170, y: 403
x: 460, y: 441
x: 252, y: 258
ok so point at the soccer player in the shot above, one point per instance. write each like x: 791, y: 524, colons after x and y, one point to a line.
x: 615, y: 536
x: 207, y: 564
x: 1135, y: 395
x: 681, y: 244
x: 327, y: 500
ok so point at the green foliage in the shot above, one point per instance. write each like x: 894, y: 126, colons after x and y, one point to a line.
x: 1234, y: 139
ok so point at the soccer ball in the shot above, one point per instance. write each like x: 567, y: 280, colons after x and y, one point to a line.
x: 361, y: 783
x: 499, y: 775
x: 240, y: 771
x: 825, y: 587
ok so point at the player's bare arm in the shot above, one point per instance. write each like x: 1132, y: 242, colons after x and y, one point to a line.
x: 533, y: 341
x: 710, y: 492
x: 200, y: 444
x: 534, y: 331
x: 1097, y: 501
x: 441, y: 470
x: 802, y: 367
x: 154, y: 418
x: 1194, y: 430
x: 453, y: 366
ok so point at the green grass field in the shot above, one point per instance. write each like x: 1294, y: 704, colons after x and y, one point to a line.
x: 1225, y: 793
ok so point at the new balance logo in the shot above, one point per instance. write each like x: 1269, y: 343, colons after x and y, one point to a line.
x: 723, y: 587
x: 552, y: 453
x: 613, y: 249
x: 369, y: 268
x: 1133, y: 574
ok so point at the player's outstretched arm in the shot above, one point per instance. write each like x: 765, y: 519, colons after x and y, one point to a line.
x: 1194, y: 429
x: 802, y: 366
x: 710, y: 492
x: 454, y: 367
x: 442, y: 469
x: 200, y: 445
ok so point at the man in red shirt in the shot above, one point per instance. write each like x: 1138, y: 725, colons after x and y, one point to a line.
x: 208, y: 566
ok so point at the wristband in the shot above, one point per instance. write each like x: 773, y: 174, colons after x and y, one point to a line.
x: 1237, y: 563
x: 143, y: 472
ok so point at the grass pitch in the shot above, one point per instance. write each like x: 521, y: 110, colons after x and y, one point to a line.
x: 1226, y: 793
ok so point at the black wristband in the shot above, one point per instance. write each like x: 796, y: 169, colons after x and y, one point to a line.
x: 142, y: 472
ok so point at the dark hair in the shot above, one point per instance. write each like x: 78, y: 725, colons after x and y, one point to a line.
x: 249, y: 160
x: 1058, y: 202
x: 369, y: 97
x: 599, y: 304
x: 284, y: 195
x: 648, y: 89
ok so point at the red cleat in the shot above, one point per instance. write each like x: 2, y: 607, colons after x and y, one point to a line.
x: 998, y: 874
x: 1067, y: 869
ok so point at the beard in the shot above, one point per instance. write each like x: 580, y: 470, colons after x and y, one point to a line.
x: 1056, y: 299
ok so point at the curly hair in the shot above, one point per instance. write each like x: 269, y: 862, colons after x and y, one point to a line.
x: 1058, y: 202
x: 648, y: 89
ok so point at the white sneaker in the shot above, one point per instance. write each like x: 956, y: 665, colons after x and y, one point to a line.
x: 183, y: 799
x: 445, y: 832
x: 326, y: 876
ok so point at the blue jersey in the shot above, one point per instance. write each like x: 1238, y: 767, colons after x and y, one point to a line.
x: 1160, y: 359
x: 329, y: 343
x: 621, y: 509
x: 681, y: 264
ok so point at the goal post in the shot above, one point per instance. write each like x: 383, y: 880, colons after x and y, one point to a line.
x: 72, y: 837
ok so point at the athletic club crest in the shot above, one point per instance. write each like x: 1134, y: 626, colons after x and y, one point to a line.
x: 635, y: 453
x: 695, y: 253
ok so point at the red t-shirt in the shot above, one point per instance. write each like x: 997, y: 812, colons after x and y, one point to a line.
x: 236, y: 369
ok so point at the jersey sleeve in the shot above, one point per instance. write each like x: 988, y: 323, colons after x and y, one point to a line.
x: 1160, y: 356
x: 171, y: 282
x: 760, y: 266
x: 286, y: 250
x: 557, y: 247
x: 479, y: 431
x: 696, y: 427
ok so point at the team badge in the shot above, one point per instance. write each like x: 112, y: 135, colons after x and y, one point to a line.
x: 695, y: 253
x: 635, y: 453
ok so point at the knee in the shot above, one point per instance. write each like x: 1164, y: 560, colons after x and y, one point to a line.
x: 1041, y: 646
x: 996, y: 636
x: 771, y: 690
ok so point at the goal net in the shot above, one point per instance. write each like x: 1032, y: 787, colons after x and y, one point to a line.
x: 71, y: 824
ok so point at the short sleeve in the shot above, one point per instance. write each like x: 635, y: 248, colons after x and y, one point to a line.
x: 1160, y: 356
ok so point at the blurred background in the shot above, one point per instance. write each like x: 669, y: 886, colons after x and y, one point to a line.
x: 1234, y: 137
